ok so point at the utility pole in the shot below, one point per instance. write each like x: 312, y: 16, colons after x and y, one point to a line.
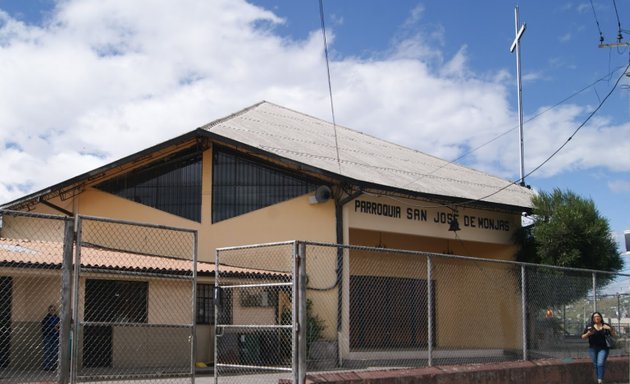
x: 614, y: 45
x: 516, y: 45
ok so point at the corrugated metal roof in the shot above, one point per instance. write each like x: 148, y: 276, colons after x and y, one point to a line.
x: 22, y: 252
x: 311, y: 141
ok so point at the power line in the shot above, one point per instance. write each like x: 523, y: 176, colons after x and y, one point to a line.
x: 619, y: 35
x: 321, y: 11
x: 601, y: 35
x: 513, y: 128
x: 515, y: 182
x: 620, y: 31
x: 583, y: 123
x: 332, y: 106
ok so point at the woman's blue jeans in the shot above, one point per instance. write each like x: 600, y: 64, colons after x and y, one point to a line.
x: 599, y: 355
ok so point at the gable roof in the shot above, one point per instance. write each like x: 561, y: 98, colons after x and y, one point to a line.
x: 362, y: 158
x: 338, y: 152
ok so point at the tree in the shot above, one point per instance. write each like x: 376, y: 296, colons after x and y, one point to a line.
x: 568, y: 231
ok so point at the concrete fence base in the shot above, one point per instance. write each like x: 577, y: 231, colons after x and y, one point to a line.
x: 548, y: 371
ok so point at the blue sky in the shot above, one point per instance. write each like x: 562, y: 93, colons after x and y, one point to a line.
x: 83, y: 83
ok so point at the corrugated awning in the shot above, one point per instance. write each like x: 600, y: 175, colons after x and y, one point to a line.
x: 21, y: 252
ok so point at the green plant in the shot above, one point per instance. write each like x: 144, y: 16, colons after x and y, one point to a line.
x: 314, y: 324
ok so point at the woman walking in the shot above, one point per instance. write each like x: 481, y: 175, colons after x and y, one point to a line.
x: 596, y: 333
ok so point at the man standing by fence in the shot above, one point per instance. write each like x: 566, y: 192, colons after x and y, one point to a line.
x: 50, y: 339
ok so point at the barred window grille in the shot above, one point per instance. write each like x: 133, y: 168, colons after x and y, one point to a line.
x: 171, y: 184
x: 205, y: 305
x: 242, y: 184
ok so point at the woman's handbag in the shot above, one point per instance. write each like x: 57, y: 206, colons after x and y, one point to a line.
x: 610, y: 341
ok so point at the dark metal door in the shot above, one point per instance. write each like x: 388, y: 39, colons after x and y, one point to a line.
x: 97, y: 346
x: 388, y: 312
x: 97, y: 339
x: 6, y: 288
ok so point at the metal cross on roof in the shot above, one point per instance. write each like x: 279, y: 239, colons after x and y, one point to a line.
x: 516, y: 45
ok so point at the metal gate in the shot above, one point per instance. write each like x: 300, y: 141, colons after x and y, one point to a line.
x: 34, y: 293
x: 135, y: 302
x: 256, y: 293
x: 118, y: 303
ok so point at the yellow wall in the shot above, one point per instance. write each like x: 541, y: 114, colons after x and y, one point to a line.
x: 466, y: 292
x: 251, y: 315
x: 477, y: 304
x: 294, y: 219
x: 430, y: 219
x: 24, y: 227
x: 415, y: 225
x: 205, y: 343
x: 32, y: 294
x: 170, y: 302
x: 145, y: 347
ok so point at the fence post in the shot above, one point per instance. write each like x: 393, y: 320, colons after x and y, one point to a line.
x: 217, y: 308
x: 618, y: 314
x: 595, y: 292
x: 429, y: 311
x: 300, y: 327
x: 193, y: 332
x: 524, y: 311
x: 66, y: 295
x: 76, y: 288
x: 302, y: 312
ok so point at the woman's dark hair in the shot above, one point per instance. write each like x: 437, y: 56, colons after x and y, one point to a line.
x: 593, y: 317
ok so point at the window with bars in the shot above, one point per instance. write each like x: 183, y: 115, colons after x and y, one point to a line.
x: 205, y: 305
x: 241, y: 184
x: 171, y: 184
x: 116, y: 301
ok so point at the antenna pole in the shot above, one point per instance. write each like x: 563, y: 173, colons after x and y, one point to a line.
x: 516, y: 45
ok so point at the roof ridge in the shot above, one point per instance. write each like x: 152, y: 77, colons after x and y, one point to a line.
x: 211, y: 124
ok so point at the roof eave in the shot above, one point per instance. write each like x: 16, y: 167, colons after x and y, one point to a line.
x: 448, y: 200
x: 203, y: 132
x: 74, y: 181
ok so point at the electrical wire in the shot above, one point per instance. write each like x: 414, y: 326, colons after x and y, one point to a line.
x: 608, y: 75
x: 619, y: 35
x: 332, y: 106
x: 516, y: 182
x: 601, y: 103
x: 564, y: 144
x: 583, y: 123
x: 601, y: 35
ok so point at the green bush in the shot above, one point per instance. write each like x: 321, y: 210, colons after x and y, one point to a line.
x: 314, y: 324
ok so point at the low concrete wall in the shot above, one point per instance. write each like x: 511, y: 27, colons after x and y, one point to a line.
x: 548, y: 371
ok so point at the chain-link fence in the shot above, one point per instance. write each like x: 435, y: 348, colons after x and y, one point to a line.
x: 90, y: 299
x: 254, y: 314
x: 32, y: 278
x: 116, y: 303
x: 362, y: 307
x: 135, y: 302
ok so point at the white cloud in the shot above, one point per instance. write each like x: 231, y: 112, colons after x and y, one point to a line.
x: 583, y: 7
x: 596, y: 144
x: 566, y: 37
x: 619, y: 186
x: 102, y: 79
